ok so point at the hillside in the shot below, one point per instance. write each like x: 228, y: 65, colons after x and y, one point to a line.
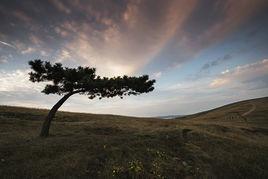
x: 227, y: 142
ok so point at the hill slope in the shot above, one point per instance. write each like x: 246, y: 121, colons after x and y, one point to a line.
x: 227, y: 142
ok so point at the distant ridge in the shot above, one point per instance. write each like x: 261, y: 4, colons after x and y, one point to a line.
x: 169, y: 117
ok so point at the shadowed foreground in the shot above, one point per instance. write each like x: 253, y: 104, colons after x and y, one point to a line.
x: 228, y: 142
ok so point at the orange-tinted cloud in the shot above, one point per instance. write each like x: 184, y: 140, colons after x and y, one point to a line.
x: 124, y: 36
x: 129, y: 43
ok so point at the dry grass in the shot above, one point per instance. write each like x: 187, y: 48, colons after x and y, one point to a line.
x: 106, y: 146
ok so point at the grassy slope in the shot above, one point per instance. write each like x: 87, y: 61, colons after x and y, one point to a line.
x: 209, y: 144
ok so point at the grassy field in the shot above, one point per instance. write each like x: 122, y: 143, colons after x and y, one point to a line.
x: 227, y: 142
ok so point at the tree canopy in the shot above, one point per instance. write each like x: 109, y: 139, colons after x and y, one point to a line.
x: 83, y: 80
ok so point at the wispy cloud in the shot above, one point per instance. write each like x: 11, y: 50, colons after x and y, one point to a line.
x: 216, y: 83
x: 204, y: 28
x: 7, y: 44
x: 214, y: 63
x: 242, y: 74
x: 125, y: 44
x: 60, y: 6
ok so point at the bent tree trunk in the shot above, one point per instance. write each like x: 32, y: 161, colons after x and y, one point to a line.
x: 51, y: 114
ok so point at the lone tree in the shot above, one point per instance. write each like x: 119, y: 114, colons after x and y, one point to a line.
x: 83, y: 80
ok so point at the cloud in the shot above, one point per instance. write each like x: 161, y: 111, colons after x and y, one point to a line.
x: 218, y: 83
x: 223, y: 17
x: 36, y: 40
x: 205, y: 69
x: 63, y: 55
x: 123, y: 37
x: 208, y: 24
x: 17, y: 80
x: 7, y: 44
x: 157, y: 75
x: 214, y: 63
x: 3, y: 59
x: 28, y: 50
x: 125, y: 44
x: 116, y: 37
x: 60, y: 6
x: 22, y: 16
x: 241, y: 74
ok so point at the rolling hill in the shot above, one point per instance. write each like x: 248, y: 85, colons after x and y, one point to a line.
x: 226, y: 142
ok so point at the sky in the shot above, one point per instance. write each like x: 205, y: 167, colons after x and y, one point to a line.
x: 202, y: 53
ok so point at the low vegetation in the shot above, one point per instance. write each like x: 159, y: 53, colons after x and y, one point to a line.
x: 213, y: 144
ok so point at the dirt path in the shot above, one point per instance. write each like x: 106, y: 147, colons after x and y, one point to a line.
x: 253, y: 108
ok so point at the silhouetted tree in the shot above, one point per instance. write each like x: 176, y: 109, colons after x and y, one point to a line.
x: 82, y: 80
